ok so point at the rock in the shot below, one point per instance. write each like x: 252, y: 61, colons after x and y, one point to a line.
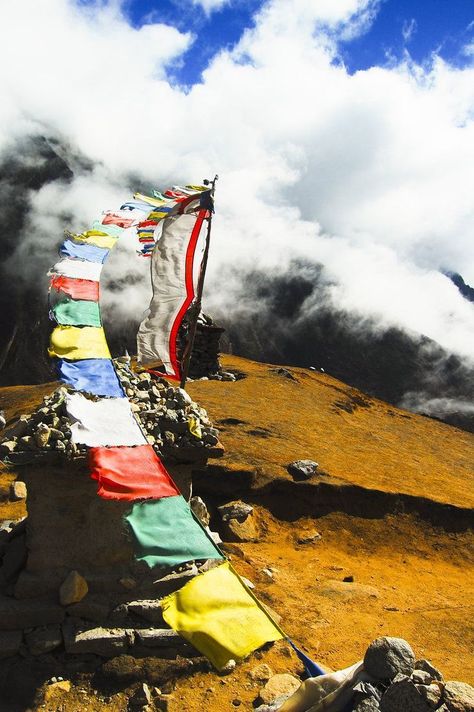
x: 28, y: 442
x: 200, y: 510
x: 308, y: 538
x: 279, y: 685
x: 369, y: 704
x: 44, y: 640
x: 141, y: 697
x: 348, y: 579
x: 16, y: 615
x: 51, y: 690
x: 90, y: 608
x: 73, y: 589
x: 149, y: 610
x: 421, y: 677
x: 242, y: 531
x: 128, y: 583
x: 431, y: 694
x: 428, y: 667
x: 42, y: 434
x: 17, y: 491
x: 106, y: 642
x: 458, y: 697
x: 10, y: 642
x: 235, y: 510
x: 228, y: 667
x: 248, y: 582
x: 302, y: 469
x: 273, y: 707
x: 347, y: 591
x: 160, y: 638
x: 56, y: 434
x: 261, y: 673
x: 7, y: 447
x: 403, y: 695
x: 385, y: 657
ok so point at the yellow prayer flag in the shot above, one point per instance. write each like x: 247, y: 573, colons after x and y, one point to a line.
x: 97, y: 238
x: 158, y: 215
x: 76, y: 343
x: 194, y: 427
x: 219, y: 616
x: 148, y: 199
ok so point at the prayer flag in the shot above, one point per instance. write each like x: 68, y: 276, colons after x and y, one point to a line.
x: 75, y: 343
x: 96, y: 376
x: 96, y: 237
x: 76, y: 288
x: 130, y: 473
x: 108, y: 421
x: 122, y: 220
x: 172, y: 276
x: 113, y: 230
x: 219, y: 616
x: 166, y: 533
x: 82, y: 251
x: 77, y: 312
x: 77, y: 269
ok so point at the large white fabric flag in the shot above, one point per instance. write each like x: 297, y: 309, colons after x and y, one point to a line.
x: 172, y: 276
x: 106, y: 422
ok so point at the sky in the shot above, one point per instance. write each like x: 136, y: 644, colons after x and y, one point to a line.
x: 342, y: 132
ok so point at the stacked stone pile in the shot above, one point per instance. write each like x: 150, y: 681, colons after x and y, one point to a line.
x: 172, y: 421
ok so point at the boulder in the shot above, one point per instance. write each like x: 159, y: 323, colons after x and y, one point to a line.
x: 261, y: 673
x: 235, y: 510
x: 430, y: 668
x: 431, y: 694
x: 459, y: 697
x: 279, y: 685
x: 302, y: 469
x: 239, y: 521
x: 403, y: 695
x: 369, y: 704
x: 386, y: 657
x: 73, y: 589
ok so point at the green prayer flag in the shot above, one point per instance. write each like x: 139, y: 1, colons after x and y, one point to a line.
x: 166, y: 533
x: 75, y: 312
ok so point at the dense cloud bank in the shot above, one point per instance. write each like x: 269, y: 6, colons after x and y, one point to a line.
x: 364, y: 179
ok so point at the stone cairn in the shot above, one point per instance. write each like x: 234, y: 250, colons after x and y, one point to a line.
x: 68, y: 575
x: 174, y: 424
x: 206, y: 349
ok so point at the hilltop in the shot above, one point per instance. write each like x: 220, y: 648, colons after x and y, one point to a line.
x: 392, y: 501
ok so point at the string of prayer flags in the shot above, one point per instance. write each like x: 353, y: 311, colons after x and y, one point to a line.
x: 166, y: 533
x: 76, y: 343
x: 217, y: 614
x: 107, y: 421
x: 94, y: 376
x: 130, y: 473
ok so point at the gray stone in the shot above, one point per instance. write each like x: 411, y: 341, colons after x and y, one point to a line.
x: 273, y: 706
x: 421, y: 677
x: 278, y: 686
x: 385, y: 657
x: 106, y: 642
x: 42, y: 435
x: 369, y: 704
x: 10, y: 642
x: 44, y: 640
x: 90, y: 608
x: 431, y: 694
x: 73, y: 589
x: 149, y: 610
x: 459, y: 697
x: 141, y: 698
x: 309, y: 538
x: 429, y: 667
x: 159, y: 638
x: 302, y: 469
x: 17, y: 491
x: 16, y: 615
x: 235, y: 510
x: 7, y: 447
x: 200, y: 510
x: 403, y: 696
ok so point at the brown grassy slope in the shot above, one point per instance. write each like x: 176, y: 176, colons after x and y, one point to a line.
x: 353, y: 437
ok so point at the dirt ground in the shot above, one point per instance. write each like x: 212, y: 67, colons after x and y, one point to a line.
x: 410, y: 578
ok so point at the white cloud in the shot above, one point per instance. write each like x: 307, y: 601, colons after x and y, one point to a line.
x: 369, y: 173
x: 408, y: 29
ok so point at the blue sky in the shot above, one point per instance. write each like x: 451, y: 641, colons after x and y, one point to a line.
x: 420, y: 27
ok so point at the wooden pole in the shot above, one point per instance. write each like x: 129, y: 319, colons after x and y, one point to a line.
x: 195, y: 309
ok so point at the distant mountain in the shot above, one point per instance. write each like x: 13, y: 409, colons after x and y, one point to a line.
x: 466, y: 290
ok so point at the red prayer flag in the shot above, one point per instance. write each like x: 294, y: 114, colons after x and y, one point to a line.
x: 114, y: 219
x: 76, y: 288
x: 130, y: 473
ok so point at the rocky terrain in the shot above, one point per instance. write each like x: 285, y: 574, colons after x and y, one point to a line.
x: 373, y: 538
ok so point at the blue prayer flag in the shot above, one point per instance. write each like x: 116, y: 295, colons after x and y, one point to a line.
x: 82, y: 251
x: 93, y: 375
